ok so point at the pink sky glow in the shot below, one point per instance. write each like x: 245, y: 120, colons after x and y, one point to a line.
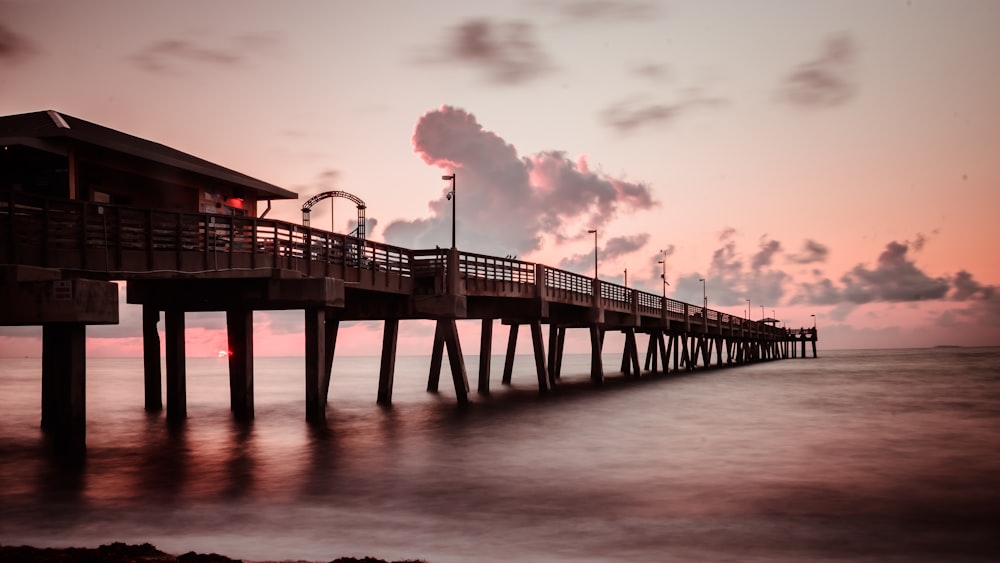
x: 836, y: 159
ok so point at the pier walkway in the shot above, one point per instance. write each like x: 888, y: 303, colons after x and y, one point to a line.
x: 58, y: 257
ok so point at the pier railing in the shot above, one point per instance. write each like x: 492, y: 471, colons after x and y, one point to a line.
x: 119, y: 242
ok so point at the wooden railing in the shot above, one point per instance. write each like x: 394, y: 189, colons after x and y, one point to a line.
x: 113, y: 241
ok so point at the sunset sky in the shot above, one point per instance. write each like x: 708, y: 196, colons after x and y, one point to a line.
x: 837, y: 159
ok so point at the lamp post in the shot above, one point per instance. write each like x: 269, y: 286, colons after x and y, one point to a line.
x: 814, y: 321
x: 626, y: 277
x: 663, y: 275
x: 594, y: 232
x: 704, y: 295
x: 748, y: 309
x: 761, y: 313
x: 453, y: 197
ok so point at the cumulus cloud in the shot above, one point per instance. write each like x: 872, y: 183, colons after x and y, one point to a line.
x: 172, y: 55
x: 812, y: 252
x: 763, y: 257
x: 628, y: 115
x: 15, y: 47
x: 824, y: 81
x: 615, y: 248
x: 506, y: 203
x: 965, y: 288
x: 895, y: 278
x: 731, y: 279
x: 507, y: 52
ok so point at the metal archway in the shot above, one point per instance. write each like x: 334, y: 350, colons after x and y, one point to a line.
x: 320, y: 197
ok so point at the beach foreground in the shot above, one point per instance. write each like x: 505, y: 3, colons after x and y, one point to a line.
x: 124, y: 553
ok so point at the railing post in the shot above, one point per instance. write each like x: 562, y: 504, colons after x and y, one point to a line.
x: 633, y: 296
x: 539, y: 281
x: 451, y: 275
x: 149, y: 240
x: 308, y: 252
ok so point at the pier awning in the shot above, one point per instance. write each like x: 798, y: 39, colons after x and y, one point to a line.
x: 55, y: 131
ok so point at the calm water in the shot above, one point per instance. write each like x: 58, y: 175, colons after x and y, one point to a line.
x: 857, y: 455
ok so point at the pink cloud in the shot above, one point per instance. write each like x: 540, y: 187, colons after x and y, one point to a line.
x: 507, y: 202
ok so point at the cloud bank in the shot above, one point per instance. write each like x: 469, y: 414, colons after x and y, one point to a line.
x: 894, y: 278
x: 507, y: 203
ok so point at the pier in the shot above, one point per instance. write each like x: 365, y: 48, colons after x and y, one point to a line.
x: 184, y: 235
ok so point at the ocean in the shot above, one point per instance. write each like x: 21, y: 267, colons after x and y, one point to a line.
x: 863, y: 455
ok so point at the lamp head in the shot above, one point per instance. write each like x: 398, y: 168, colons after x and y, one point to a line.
x: 448, y: 177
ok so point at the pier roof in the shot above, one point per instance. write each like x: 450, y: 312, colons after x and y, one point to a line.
x: 51, y: 125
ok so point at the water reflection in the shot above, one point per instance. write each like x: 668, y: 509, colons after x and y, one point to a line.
x: 801, y: 459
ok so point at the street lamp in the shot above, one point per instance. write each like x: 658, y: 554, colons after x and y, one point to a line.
x: 594, y: 232
x: 663, y: 276
x: 814, y: 321
x: 451, y: 195
x: 704, y: 294
x: 748, y: 308
x: 761, y: 313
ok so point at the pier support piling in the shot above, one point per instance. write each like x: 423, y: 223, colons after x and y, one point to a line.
x: 508, y: 364
x: 239, y: 326
x: 176, y: 365
x: 315, y: 321
x: 596, y: 362
x: 64, y: 404
x: 437, y: 355
x: 332, y: 328
x: 456, y: 359
x: 152, y: 376
x: 485, y: 355
x: 387, y: 368
x: 539, y: 347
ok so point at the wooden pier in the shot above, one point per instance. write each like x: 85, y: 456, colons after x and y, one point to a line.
x: 59, y: 253
x: 241, y: 265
